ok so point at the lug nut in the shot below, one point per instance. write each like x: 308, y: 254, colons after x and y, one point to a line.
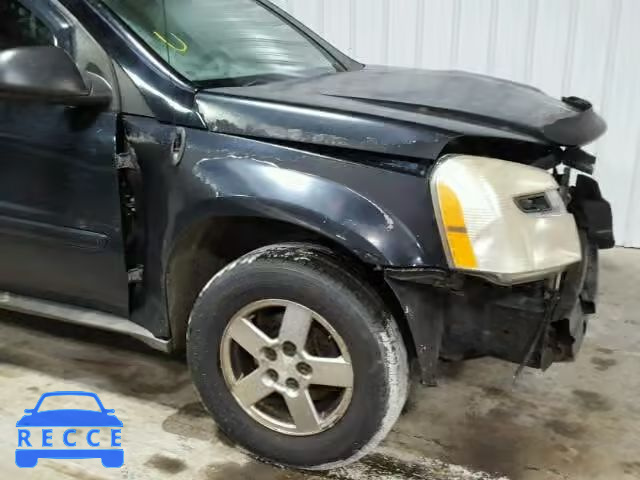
x: 304, y: 368
x: 289, y: 349
x: 292, y: 384
x: 269, y: 353
x: 272, y: 375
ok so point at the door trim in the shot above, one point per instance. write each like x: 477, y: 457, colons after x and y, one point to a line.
x: 81, y: 316
x: 73, y: 237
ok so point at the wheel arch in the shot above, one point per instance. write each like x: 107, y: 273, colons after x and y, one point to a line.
x: 203, y: 249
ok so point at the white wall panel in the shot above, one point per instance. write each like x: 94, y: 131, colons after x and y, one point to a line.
x: 372, y: 31
x: 403, y: 31
x: 438, y: 26
x: 511, y: 53
x: 475, y: 33
x: 548, y: 49
x: 589, y: 48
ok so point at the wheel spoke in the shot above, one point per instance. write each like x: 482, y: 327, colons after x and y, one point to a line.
x: 295, y: 325
x: 303, y: 411
x: 248, y: 336
x: 332, y: 372
x: 251, y: 389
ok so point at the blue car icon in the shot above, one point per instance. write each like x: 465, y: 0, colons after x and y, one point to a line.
x: 29, y: 452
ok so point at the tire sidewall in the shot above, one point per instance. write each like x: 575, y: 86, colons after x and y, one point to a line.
x: 357, y: 325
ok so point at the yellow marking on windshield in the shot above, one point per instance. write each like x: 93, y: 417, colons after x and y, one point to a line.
x: 182, y: 49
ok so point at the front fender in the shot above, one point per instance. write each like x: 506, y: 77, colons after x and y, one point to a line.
x: 384, y: 217
x: 232, y: 186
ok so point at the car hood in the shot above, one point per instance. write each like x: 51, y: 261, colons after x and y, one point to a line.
x: 398, y: 111
x: 69, y: 418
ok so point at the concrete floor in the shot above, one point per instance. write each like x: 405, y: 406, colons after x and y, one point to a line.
x: 576, y: 421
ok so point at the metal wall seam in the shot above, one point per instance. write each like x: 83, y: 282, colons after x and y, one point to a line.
x: 567, y: 72
x: 353, y: 12
x: 420, y: 26
x: 532, y: 26
x: 493, y: 35
x: 455, y: 33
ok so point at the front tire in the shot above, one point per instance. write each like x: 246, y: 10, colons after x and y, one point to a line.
x: 297, y: 358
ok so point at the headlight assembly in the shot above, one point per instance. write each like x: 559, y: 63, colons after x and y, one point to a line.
x: 502, y: 220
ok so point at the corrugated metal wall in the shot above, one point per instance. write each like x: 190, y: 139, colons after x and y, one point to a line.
x: 589, y: 48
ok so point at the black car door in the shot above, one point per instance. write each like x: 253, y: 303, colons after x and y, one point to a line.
x: 60, y: 218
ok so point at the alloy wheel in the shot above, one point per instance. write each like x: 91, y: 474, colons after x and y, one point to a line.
x: 287, y: 367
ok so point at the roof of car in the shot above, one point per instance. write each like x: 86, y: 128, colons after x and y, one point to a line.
x: 53, y: 394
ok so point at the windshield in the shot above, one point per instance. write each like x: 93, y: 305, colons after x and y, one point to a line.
x: 225, y: 41
x: 69, y: 402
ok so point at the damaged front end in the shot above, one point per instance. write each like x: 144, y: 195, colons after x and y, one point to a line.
x: 531, y: 318
x: 515, y: 274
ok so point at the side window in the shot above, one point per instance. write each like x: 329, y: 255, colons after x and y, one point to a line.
x: 19, y: 27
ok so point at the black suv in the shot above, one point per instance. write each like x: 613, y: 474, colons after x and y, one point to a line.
x: 212, y: 176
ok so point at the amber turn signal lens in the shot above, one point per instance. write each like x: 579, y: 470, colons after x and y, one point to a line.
x: 455, y: 228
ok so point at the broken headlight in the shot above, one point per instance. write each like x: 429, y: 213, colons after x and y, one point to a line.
x: 502, y: 220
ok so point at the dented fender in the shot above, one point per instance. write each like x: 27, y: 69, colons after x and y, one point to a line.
x: 284, y: 187
x: 381, y: 216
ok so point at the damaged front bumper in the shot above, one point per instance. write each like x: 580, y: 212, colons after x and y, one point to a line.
x: 462, y: 318
x: 455, y: 316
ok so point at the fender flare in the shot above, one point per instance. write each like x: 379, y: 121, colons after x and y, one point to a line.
x: 244, y: 187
